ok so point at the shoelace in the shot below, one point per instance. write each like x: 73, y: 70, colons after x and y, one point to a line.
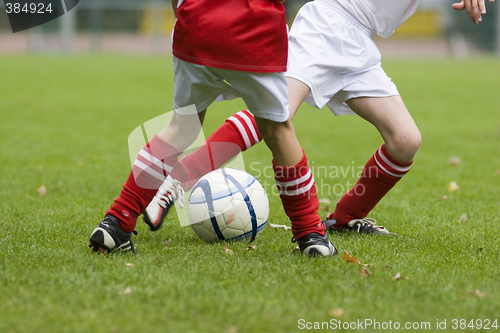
x: 169, y: 195
x: 367, y: 221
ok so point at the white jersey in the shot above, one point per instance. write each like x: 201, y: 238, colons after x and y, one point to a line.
x: 381, y: 16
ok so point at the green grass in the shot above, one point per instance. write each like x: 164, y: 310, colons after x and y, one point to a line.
x: 64, y: 123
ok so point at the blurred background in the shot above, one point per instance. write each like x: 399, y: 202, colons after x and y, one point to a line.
x: 144, y: 27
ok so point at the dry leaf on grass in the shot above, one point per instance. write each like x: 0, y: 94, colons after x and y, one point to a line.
x: 452, y: 187
x: 399, y: 277
x: 444, y: 197
x: 42, y: 190
x: 463, y: 218
x: 277, y: 226
x: 127, y: 290
x: 498, y: 172
x: 388, y: 266
x: 227, y: 250
x: 365, y: 272
x: 479, y: 294
x: 453, y: 161
x: 166, y: 241
x: 352, y: 260
x: 337, y: 312
x: 251, y: 248
x: 129, y: 265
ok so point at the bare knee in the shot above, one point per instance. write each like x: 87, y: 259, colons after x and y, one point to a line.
x: 274, y: 132
x: 281, y: 139
x: 404, y: 145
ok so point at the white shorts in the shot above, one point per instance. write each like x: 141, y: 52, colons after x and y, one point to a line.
x: 265, y: 94
x: 334, y: 54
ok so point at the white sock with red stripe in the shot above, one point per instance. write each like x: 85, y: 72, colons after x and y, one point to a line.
x: 298, y: 195
x: 153, y: 164
x: 238, y: 133
x: 380, y: 174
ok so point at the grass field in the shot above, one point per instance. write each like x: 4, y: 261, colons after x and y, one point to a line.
x: 64, y: 124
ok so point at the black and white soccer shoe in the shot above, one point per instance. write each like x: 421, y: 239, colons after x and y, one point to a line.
x: 108, y: 237
x: 157, y: 210
x: 314, y: 244
x: 363, y: 226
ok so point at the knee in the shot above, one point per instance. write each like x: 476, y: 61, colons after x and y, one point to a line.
x: 273, y: 132
x: 405, y: 145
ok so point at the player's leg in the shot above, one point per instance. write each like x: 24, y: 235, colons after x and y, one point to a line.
x: 266, y: 96
x: 296, y: 186
x: 153, y: 164
x: 385, y: 168
x: 183, y: 128
x: 158, y: 157
x: 395, y: 124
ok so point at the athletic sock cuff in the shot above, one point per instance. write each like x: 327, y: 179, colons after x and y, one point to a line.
x: 389, y: 165
x: 245, y: 125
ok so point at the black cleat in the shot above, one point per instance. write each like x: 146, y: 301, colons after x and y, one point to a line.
x: 314, y: 244
x: 109, y: 237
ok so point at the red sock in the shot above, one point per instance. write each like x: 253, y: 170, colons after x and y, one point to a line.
x: 299, y: 198
x: 238, y: 133
x: 380, y: 174
x: 150, y: 169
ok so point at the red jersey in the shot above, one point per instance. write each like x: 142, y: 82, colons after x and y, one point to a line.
x: 243, y: 35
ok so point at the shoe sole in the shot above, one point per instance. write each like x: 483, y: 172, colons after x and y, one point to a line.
x: 320, y: 250
x: 102, y: 238
x: 153, y: 226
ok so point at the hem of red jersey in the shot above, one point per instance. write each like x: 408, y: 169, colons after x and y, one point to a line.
x: 234, y: 67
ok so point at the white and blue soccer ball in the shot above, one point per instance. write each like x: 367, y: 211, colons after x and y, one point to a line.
x: 228, y: 205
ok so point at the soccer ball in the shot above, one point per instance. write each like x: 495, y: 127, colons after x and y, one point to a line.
x: 228, y: 205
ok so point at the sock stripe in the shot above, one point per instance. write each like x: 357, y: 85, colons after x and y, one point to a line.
x: 297, y: 186
x: 298, y: 194
x: 385, y: 162
x: 245, y: 115
x: 301, y: 190
x: 149, y: 170
x: 296, y: 181
x: 141, y: 167
x: 392, y: 165
x: 150, y: 158
x: 385, y: 170
x: 241, y: 129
